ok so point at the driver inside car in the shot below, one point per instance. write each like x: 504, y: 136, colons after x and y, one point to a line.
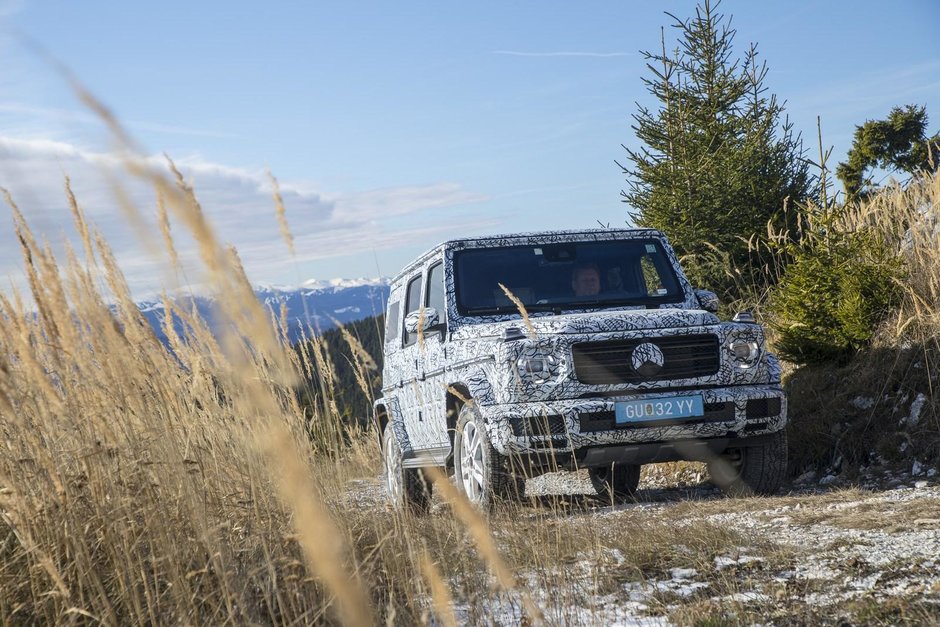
x: 586, y: 280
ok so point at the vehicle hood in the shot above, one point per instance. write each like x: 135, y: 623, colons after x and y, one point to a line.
x: 594, y: 322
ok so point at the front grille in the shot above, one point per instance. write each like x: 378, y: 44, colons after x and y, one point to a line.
x: 609, y: 362
x: 538, y: 425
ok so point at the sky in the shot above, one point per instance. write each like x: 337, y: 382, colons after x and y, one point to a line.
x: 391, y: 126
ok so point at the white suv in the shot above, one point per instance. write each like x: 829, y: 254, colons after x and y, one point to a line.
x: 513, y: 355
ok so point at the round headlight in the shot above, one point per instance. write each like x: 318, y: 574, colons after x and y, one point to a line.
x: 745, y: 353
x: 538, y: 368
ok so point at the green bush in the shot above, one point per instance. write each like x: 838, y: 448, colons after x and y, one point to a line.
x: 833, y: 294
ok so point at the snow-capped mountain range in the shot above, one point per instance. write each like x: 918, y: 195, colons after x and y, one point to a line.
x: 315, y: 305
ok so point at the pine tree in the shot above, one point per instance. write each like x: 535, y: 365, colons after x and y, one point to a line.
x: 717, y: 164
x: 896, y: 144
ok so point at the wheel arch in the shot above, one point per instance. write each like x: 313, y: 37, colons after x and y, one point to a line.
x: 380, y: 419
x: 458, y: 394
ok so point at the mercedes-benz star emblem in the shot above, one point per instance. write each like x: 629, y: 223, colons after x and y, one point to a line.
x: 647, y: 360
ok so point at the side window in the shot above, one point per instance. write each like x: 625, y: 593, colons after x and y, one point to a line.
x: 435, y: 291
x: 392, y: 325
x: 412, y: 303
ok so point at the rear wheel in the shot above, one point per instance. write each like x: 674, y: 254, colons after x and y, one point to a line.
x: 481, y: 473
x: 746, y: 470
x: 616, y: 482
x: 407, y: 488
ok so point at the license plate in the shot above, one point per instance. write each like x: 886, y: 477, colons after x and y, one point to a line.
x: 668, y: 408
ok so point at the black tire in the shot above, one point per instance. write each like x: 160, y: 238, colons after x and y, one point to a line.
x: 487, y: 479
x: 748, y: 470
x: 406, y: 488
x: 617, y: 483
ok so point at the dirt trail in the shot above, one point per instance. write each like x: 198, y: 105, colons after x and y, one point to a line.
x: 814, y: 554
x: 836, y: 549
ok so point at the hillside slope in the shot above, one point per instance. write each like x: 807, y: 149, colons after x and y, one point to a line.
x: 314, y: 307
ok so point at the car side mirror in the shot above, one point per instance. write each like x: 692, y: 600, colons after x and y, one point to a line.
x: 708, y: 300
x: 430, y: 322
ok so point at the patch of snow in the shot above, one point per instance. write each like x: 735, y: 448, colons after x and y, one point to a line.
x: 862, y: 402
x: 917, y: 468
x: 917, y: 405
x: 813, y: 570
x: 828, y: 479
x: 640, y: 591
x: 688, y: 589
x: 683, y: 573
x: 722, y: 562
x: 319, y: 285
x: 920, y: 485
x: 617, y: 556
x: 743, y: 597
x: 932, y: 472
x: 865, y: 583
x: 145, y: 307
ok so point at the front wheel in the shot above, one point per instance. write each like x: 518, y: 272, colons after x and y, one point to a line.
x: 407, y: 488
x: 757, y: 469
x: 618, y: 482
x: 481, y: 473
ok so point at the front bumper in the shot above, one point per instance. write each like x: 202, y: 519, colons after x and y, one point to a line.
x: 573, y: 426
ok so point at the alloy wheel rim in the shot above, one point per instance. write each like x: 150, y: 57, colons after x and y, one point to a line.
x: 471, y: 462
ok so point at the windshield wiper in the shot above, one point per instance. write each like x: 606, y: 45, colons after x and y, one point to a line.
x: 489, y: 311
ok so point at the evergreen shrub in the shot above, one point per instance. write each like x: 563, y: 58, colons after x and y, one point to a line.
x: 838, y: 287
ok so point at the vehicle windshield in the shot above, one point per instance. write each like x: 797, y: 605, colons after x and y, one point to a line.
x: 565, y: 276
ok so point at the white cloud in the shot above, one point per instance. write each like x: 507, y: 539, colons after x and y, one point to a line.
x: 237, y: 201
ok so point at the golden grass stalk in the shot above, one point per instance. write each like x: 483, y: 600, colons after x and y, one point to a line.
x: 163, y: 219
x: 522, y: 310
x: 486, y: 545
x: 281, y: 213
x: 79, y: 218
x: 362, y: 361
x: 323, y: 544
x: 440, y: 592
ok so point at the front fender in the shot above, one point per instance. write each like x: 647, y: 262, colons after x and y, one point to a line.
x: 395, y: 419
x: 477, y: 379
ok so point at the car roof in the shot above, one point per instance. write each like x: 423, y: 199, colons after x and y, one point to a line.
x: 563, y: 232
x: 419, y: 260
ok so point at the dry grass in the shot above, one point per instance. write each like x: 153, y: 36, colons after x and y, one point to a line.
x: 909, y: 217
x: 903, y: 360
x: 890, y: 517
x: 141, y: 485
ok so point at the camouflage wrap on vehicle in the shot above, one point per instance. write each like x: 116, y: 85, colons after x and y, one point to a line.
x: 487, y: 357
